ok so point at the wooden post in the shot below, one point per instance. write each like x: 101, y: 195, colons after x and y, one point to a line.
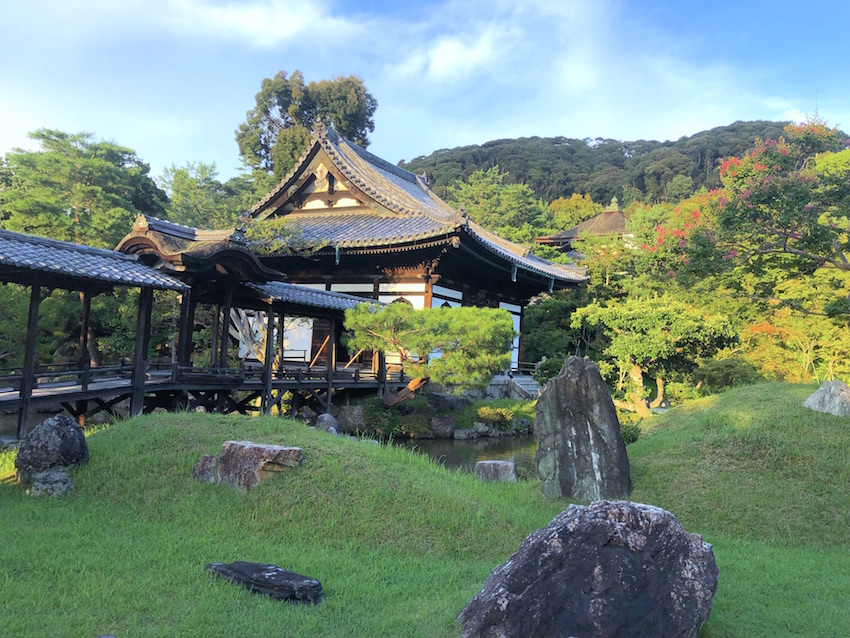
x: 214, y: 336
x: 85, y: 360
x: 382, y: 374
x: 140, y: 355
x: 28, y: 373
x: 331, y: 362
x: 224, y: 326
x: 268, y: 365
x: 187, y: 321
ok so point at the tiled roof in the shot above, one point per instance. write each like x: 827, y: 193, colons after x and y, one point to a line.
x: 400, y: 191
x: 606, y: 223
x: 348, y: 230
x: 176, y: 238
x: 522, y: 256
x: 413, y: 211
x: 28, y: 252
x: 279, y: 291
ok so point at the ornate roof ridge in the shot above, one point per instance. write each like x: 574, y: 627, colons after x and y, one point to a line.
x: 148, y: 222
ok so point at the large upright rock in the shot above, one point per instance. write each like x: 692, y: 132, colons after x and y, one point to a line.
x: 582, y: 454
x: 833, y: 397
x: 611, y: 569
x: 56, y: 442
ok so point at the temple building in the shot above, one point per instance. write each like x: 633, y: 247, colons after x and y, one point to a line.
x: 365, y: 227
x: 610, y: 221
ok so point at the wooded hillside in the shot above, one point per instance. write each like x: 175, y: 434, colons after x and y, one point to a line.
x: 603, y: 168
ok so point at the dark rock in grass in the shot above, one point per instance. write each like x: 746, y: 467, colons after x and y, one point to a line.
x: 328, y: 423
x: 833, y: 397
x: 56, y: 483
x: 245, y: 464
x: 57, y: 442
x: 443, y: 427
x: 270, y: 580
x: 582, y: 455
x: 205, y: 469
x: 498, y: 471
x: 611, y: 569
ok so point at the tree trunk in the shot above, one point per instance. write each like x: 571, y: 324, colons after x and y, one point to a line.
x: 407, y: 392
x: 659, y: 399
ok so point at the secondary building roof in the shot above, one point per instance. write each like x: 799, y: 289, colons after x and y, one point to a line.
x: 27, y: 258
x: 611, y: 221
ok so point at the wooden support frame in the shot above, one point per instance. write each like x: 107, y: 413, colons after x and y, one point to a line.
x: 268, y: 364
x: 140, y: 355
x: 186, y: 329
x: 331, y: 364
x: 224, y: 328
x: 85, y: 359
x: 28, y: 373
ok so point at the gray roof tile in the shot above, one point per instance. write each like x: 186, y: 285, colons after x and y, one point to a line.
x: 50, y: 256
x: 283, y: 292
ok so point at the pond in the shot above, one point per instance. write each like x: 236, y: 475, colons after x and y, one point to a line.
x: 459, y: 454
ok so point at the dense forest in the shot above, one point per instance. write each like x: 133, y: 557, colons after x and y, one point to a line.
x: 556, y: 167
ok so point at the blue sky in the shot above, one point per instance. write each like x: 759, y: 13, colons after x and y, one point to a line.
x: 172, y: 79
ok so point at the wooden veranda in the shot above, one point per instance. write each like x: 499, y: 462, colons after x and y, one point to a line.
x: 44, y: 264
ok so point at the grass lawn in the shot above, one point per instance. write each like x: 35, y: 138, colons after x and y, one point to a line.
x: 400, y: 544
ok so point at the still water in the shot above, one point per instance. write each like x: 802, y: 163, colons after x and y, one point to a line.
x: 462, y: 455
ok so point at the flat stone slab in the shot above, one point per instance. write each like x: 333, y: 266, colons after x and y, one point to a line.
x: 244, y: 464
x: 497, y: 471
x: 270, y: 580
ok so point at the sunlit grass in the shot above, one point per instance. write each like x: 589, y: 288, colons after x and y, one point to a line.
x: 399, y: 543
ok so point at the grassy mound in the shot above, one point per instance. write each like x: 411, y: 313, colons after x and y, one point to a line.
x: 399, y: 543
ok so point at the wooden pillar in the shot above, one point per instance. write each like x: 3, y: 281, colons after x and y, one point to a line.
x: 187, y: 324
x: 214, y: 335
x: 140, y: 354
x: 224, y: 328
x: 28, y: 373
x: 331, y: 362
x: 85, y: 359
x: 268, y: 365
x: 382, y: 374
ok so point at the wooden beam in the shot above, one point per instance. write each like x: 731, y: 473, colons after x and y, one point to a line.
x: 268, y: 365
x: 214, y: 335
x: 187, y: 323
x: 85, y: 359
x: 28, y: 372
x: 140, y: 355
x: 225, y: 338
x: 331, y: 362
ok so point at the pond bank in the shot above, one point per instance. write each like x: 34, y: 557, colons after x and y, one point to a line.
x: 462, y: 454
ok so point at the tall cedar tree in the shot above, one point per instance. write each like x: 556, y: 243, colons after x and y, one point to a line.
x: 277, y: 129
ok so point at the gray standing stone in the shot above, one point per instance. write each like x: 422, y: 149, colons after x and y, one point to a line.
x: 833, y: 397
x: 611, y: 569
x: 244, y: 464
x: 205, y: 469
x: 582, y: 455
x: 327, y: 423
x: 270, y: 580
x: 498, y: 471
x: 56, y: 483
x: 56, y: 442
